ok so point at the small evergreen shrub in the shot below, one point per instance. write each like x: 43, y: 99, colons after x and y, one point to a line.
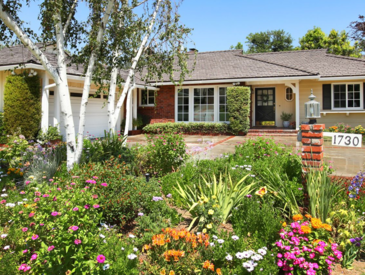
x: 22, y: 105
x: 3, y: 138
x: 238, y: 104
x: 188, y: 128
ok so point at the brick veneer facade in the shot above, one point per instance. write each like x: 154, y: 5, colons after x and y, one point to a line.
x: 312, y: 150
x: 164, y: 109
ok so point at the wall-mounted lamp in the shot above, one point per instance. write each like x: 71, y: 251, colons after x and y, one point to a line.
x: 236, y: 83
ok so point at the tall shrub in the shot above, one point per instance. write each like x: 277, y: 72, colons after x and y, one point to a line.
x: 238, y: 103
x: 22, y: 105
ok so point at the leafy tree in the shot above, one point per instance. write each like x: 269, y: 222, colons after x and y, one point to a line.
x: 269, y: 41
x: 336, y: 42
x: 239, y: 46
x: 62, y: 25
x: 358, y: 31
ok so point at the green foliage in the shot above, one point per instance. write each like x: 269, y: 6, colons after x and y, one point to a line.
x: 188, y: 128
x: 218, y: 198
x: 22, y: 105
x: 257, y: 220
x: 357, y: 31
x: 269, y: 41
x: 336, y: 42
x: 57, y: 225
x: 112, y: 145
x: 3, y: 138
x: 238, y: 104
x: 13, y: 152
x: 239, y: 46
x: 285, y: 116
x: 163, y: 153
x: 322, y: 192
x: 52, y: 133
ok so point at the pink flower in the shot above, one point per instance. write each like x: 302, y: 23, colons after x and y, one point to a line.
x: 34, y: 237
x: 96, y: 206
x: 72, y: 183
x: 24, y: 267
x: 31, y: 215
x: 50, y: 180
x: 27, y: 182
x: 104, y: 184
x: 31, y: 224
x: 41, y: 224
x: 50, y: 248
x: 311, y: 272
x: 280, y: 263
x: 94, y: 196
x: 280, y: 255
x: 95, y: 177
x: 77, y: 241
x: 82, y: 191
x: 87, y: 206
x: 37, y: 193
x: 45, y: 196
x: 20, y: 212
x: 312, y: 255
x: 2, y: 201
x: 25, y: 229
x: 100, y: 259
x: 54, y: 214
x: 22, y: 192
x: 75, y: 209
x: 59, y: 189
x: 33, y: 257
x: 74, y: 227
x: 25, y: 251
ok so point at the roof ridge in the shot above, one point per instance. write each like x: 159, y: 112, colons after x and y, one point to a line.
x: 278, y: 64
x: 219, y: 51
x: 345, y: 57
x: 293, y: 51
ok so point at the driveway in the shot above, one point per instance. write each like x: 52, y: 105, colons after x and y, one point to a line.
x: 346, y: 161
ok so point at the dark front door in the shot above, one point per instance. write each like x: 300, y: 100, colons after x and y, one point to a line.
x: 265, y: 106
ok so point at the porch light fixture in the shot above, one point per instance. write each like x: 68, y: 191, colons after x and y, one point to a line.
x: 311, y: 109
x: 236, y: 83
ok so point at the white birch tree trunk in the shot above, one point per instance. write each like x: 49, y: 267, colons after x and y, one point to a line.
x: 87, y: 81
x: 127, y: 84
x: 111, y: 95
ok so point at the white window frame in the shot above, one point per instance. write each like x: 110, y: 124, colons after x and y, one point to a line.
x: 347, y: 108
x: 291, y: 92
x: 140, y: 98
x: 191, y: 101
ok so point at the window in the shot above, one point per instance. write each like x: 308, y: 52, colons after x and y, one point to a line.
x: 289, y: 94
x: 147, y: 98
x: 204, y: 104
x: 346, y: 96
x: 223, y: 112
x: 183, y: 105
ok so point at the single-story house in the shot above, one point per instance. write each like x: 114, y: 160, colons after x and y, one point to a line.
x: 279, y: 81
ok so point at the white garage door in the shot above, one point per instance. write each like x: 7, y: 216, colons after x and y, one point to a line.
x: 96, y: 115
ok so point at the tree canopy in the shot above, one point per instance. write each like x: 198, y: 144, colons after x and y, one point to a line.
x: 269, y: 41
x: 358, y: 31
x: 336, y: 42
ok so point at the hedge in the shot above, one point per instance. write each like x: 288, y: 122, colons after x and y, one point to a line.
x: 22, y: 105
x: 238, y: 104
x: 188, y: 128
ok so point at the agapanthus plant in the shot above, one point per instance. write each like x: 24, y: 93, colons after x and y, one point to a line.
x: 305, y: 247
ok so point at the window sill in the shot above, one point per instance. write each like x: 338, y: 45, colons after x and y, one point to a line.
x: 347, y: 112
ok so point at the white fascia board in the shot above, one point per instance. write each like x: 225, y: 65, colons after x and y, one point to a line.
x: 268, y: 79
x: 341, y: 78
x: 26, y: 66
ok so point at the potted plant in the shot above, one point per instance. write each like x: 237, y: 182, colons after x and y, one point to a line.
x: 285, y: 117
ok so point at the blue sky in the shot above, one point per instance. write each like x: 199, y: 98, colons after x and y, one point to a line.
x: 218, y: 24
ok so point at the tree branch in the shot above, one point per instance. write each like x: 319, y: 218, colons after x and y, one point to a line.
x: 23, y: 37
x: 67, y: 24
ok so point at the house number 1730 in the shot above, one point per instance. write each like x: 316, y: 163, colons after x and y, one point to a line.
x: 348, y: 140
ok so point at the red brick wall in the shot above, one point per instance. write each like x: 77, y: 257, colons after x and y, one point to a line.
x: 164, y: 109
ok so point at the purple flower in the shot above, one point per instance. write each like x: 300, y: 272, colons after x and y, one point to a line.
x: 140, y: 214
x: 168, y: 195
x: 157, y: 198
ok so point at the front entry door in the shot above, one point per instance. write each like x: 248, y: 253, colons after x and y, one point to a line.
x: 265, y: 106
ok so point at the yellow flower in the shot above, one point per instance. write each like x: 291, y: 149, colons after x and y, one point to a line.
x: 210, y: 212
x: 306, y: 229
x: 214, y: 197
x: 261, y: 192
x: 209, y: 226
x: 297, y: 217
x: 284, y: 224
x: 204, y: 230
x: 316, y: 223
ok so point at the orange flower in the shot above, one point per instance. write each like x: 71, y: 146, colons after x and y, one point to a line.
x: 297, y: 217
x: 219, y: 271
x: 262, y: 191
x: 327, y: 227
x: 308, y: 216
x: 316, y: 223
x: 206, y: 264
x: 146, y: 247
x: 316, y: 241
x: 211, y: 266
x: 163, y: 272
x: 306, y: 229
x: 172, y: 272
x: 284, y: 224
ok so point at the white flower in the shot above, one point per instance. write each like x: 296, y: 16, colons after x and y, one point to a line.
x: 235, y: 238
x: 10, y: 204
x: 25, y: 199
x: 6, y: 247
x: 106, y: 266
x: 131, y: 236
x: 250, y: 268
x: 245, y: 254
x: 20, y: 202
x: 248, y: 169
x: 256, y: 257
x: 3, y: 236
x: 4, y: 195
x: 239, y: 255
x: 3, y: 190
x: 262, y: 251
x: 132, y: 256
x: 229, y: 258
x: 253, y: 176
x: 101, y: 236
x: 215, y: 237
x: 122, y: 248
x: 220, y: 241
x: 233, y: 168
x: 135, y: 249
x: 212, y: 244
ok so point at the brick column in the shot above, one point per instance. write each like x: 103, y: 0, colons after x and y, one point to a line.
x: 312, y: 149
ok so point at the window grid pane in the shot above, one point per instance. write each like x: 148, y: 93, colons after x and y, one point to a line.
x: 183, y: 105
x: 223, y: 114
x: 346, y: 96
x: 204, y: 104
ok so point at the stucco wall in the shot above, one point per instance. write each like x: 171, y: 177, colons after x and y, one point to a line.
x: 305, y: 87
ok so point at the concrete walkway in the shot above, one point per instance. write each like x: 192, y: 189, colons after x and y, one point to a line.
x: 345, y: 161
